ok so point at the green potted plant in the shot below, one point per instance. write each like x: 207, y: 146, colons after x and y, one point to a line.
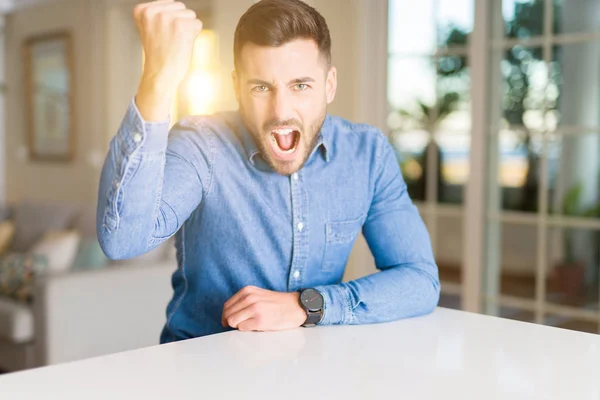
x: 569, y: 275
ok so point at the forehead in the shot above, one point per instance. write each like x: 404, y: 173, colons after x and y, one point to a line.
x: 299, y: 57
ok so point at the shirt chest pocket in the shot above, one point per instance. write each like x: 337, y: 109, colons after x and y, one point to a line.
x: 339, y: 239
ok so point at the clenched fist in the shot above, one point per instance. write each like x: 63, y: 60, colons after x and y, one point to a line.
x: 256, y: 309
x: 167, y: 30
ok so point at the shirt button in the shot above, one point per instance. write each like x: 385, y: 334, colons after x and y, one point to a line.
x: 300, y: 226
x: 296, y: 274
x: 137, y: 137
x: 295, y: 176
x: 117, y: 184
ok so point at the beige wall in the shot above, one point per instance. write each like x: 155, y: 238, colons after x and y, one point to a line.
x: 52, y: 181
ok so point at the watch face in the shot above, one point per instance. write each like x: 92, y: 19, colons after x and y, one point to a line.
x: 312, y: 300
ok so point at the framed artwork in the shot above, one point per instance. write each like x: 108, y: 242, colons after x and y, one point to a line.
x: 49, y: 96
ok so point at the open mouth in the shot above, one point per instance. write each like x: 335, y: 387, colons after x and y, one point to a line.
x: 285, y: 142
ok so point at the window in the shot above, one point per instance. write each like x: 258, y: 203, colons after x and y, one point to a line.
x: 540, y: 190
x: 429, y: 120
x: 543, y: 221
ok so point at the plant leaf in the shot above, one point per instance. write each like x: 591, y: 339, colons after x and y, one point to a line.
x: 571, y: 200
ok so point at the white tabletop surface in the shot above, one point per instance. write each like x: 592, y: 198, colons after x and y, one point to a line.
x: 446, y: 355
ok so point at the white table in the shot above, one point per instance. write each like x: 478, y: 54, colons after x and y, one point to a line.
x: 446, y: 355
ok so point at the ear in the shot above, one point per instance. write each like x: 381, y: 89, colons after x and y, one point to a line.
x: 236, y: 86
x: 331, y: 84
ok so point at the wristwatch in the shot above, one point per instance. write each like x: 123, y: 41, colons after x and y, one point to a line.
x: 313, y: 303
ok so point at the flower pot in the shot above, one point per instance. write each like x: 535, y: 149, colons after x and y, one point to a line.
x: 569, y: 279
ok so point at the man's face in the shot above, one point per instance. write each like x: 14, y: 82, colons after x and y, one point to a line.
x: 283, y: 94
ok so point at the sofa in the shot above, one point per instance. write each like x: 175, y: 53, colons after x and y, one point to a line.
x: 79, y: 311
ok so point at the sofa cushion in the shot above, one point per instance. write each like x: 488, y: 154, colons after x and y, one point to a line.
x: 16, y: 321
x: 17, y: 274
x: 90, y: 255
x: 59, y: 248
x: 32, y: 220
x: 7, y: 232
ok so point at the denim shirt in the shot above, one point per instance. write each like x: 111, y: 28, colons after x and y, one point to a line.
x: 236, y: 222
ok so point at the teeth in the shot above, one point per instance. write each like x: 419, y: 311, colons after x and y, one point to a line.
x: 283, y: 132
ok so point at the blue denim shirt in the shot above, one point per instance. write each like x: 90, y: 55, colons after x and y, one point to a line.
x: 239, y: 223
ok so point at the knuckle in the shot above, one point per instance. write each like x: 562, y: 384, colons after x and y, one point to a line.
x: 255, y: 309
x: 252, y: 298
x: 179, y: 26
x: 147, y: 13
x: 247, y: 290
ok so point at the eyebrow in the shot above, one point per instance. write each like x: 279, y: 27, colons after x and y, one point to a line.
x: 292, y: 82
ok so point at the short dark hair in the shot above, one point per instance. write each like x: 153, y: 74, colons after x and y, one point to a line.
x: 277, y: 22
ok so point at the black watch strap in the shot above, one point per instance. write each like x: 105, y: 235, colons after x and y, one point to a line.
x: 314, y: 317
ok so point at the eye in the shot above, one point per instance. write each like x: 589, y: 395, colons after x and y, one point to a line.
x: 301, y: 86
x: 260, y: 88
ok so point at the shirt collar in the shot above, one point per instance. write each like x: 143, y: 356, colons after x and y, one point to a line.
x: 323, y: 142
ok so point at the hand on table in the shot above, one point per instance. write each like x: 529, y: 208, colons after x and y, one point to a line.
x: 256, y: 309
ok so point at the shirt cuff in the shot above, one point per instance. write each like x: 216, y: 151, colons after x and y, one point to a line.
x: 150, y: 137
x: 337, y: 304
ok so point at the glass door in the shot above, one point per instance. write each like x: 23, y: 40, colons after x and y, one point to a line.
x: 542, y: 192
x: 429, y: 80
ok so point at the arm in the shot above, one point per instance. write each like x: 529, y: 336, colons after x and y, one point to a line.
x: 150, y: 184
x: 146, y: 191
x: 408, y: 284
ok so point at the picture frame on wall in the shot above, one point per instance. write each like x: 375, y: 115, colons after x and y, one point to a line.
x: 49, y: 97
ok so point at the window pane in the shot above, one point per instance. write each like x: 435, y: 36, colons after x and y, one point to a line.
x: 573, y: 95
x: 524, y: 81
x: 411, y: 89
x: 512, y: 259
x: 453, y: 124
x: 454, y: 165
x: 454, y: 22
x: 573, y: 267
x: 517, y: 171
x: 522, y: 18
x: 449, y: 301
x: 454, y: 94
x: 449, y: 247
x: 410, y: 147
x: 412, y: 27
x: 411, y: 95
x: 516, y: 314
x: 571, y: 323
x: 574, y: 175
x: 573, y: 16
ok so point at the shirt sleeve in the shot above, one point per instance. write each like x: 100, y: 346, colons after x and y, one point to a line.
x: 408, y: 284
x: 151, y: 181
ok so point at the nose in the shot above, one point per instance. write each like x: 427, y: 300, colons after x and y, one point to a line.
x: 282, y: 105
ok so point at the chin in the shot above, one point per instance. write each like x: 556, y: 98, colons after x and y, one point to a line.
x: 285, y: 168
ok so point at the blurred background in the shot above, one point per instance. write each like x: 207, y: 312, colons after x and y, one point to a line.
x: 492, y: 107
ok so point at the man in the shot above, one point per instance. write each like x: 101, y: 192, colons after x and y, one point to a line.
x: 266, y: 202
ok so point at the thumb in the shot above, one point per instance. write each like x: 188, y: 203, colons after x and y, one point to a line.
x: 251, y: 324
